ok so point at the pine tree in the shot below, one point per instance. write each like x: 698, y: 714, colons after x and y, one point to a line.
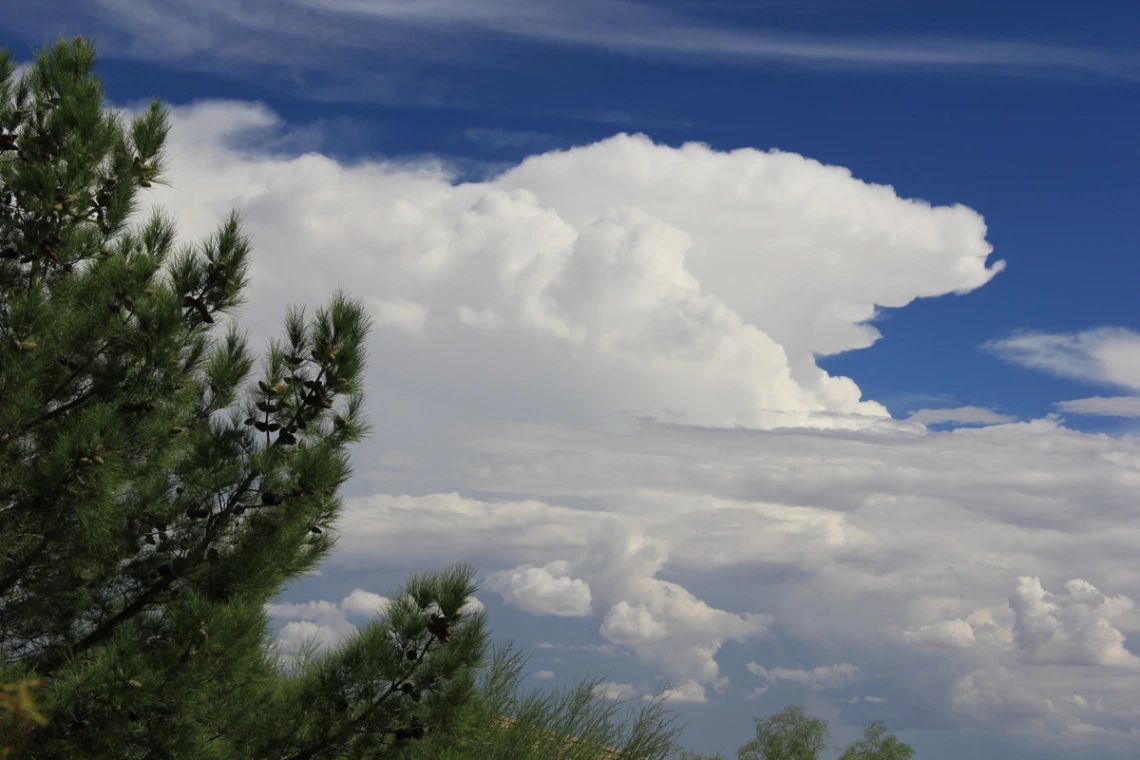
x: 572, y: 722
x: 156, y: 492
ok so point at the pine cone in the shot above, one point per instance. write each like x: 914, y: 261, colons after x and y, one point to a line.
x: 438, y: 627
x: 272, y: 499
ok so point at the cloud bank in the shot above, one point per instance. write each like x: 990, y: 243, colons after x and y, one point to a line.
x: 594, y: 377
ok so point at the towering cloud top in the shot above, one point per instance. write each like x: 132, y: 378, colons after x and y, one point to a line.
x: 679, y: 283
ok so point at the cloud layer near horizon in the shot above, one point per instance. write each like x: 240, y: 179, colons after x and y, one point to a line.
x: 615, y: 346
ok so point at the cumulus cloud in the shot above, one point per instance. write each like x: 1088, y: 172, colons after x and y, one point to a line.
x: 1056, y: 707
x: 542, y: 675
x: 688, y: 279
x: 473, y: 605
x: 1071, y: 628
x: 821, y: 678
x: 401, y: 315
x: 626, y: 623
x: 1107, y: 355
x: 688, y: 691
x: 540, y: 592
x: 321, y: 623
x: 324, y: 623
x: 760, y: 197
x: 893, y: 537
x: 361, y: 602
x: 979, y: 628
x: 297, y: 634
x: 1112, y: 406
x: 631, y: 406
x: 998, y: 697
x: 617, y: 691
x: 962, y: 415
x: 957, y: 634
x: 662, y: 623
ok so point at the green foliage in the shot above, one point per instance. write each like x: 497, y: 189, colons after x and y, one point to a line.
x: 567, y: 723
x: 687, y: 755
x: 156, y: 492
x: 788, y: 735
x: 877, y: 744
x: 793, y: 735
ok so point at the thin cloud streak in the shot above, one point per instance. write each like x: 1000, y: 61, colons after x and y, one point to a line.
x: 632, y: 28
x: 314, y: 42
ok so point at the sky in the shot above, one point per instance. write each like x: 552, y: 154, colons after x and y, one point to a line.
x: 782, y: 351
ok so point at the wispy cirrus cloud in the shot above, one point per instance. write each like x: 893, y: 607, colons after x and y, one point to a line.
x: 344, y: 50
x: 1106, y: 356
x: 627, y: 27
x: 1103, y: 356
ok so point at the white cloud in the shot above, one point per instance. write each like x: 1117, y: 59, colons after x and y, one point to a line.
x: 979, y: 628
x: 1113, y: 406
x: 962, y: 415
x: 996, y: 697
x: 299, y: 633
x: 617, y: 691
x: 22, y: 68
x: 675, y: 288
x: 1041, y: 704
x: 874, y: 699
x: 945, y: 633
x: 625, y: 623
x: 542, y: 675
x: 644, y: 299
x: 361, y: 602
x: 688, y: 692
x: 401, y: 315
x: 472, y: 606
x: 824, y: 677
x: 540, y: 592
x: 1108, y: 355
x: 326, y: 623
x: 1072, y: 628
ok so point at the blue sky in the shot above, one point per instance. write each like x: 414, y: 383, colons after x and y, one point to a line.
x: 1022, y: 113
